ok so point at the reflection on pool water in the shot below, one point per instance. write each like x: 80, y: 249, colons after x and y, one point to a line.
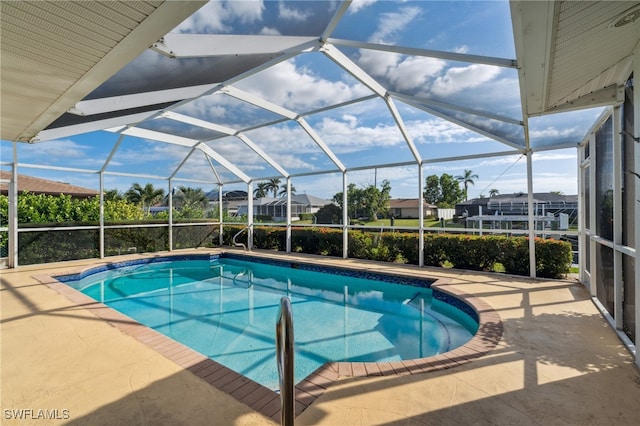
x: 226, y: 308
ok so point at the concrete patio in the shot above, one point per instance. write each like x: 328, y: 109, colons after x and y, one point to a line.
x: 558, y: 363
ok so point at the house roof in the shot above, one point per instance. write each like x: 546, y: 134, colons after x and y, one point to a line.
x: 69, y: 68
x: 521, y: 198
x: 474, y: 202
x: 55, y: 53
x: 538, y: 197
x: 43, y: 186
x: 310, y: 200
x: 573, y: 53
x: 302, y: 199
x: 408, y: 203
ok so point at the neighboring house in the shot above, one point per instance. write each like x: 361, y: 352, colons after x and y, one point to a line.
x: 472, y: 207
x: 231, y: 200
x: 407, y: 208
x: 276, y: 208
x: 543, y: 203
x: 36, y: 185
x: 517, y: 204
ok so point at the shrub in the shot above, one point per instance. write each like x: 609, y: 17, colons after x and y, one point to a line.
x: 46, y: 246
x: 553, y: 257
x: 360, y: 244
x: 306, y: 216
x: 270, y: 238
x: 402, y: 247
x: 471, y: 252
x: 515, y: 255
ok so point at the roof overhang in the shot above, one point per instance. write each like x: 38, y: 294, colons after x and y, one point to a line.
x: 46, y: 69
x: 574, y: 54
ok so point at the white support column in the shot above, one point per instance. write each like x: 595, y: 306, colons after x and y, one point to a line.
x: 101, y: 237
x: 420, y: 216
x: 345, y: 217
x: 636, y: 134
x: 170, y: 215
x: 220, y: 216
x: 288, y: 234
x: 530, y: 214
x: 617, y: 218
x: 593, y: 246
x: 582, y: 259
x: 250, y: 216
x: 12, y: 260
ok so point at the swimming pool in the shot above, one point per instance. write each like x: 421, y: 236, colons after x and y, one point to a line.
x: 225, y: 308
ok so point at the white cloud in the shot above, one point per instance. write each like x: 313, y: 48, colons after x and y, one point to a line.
x: 358, y: 5
x: 459, y: 79
x: 349, y: 135
x: 440, y: 131
x: 393, y: 22
x: 64, y: 152
x: 563, y: 182
x: 290, y: 14
x: 412, y: 73
x: 501, y: 161
x: 55, y: 150
x: 405, y: 73
x: 378, y: 64
x: 216, y: 16
x: 286, y: 145
x: 554, y: 156
x: 219, y: 108
x: 269, y: 31
x: 245, y: 11
x: 298, y: 89
x: 553, y: 132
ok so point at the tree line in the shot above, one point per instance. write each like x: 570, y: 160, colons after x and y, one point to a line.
x: 370, y: 202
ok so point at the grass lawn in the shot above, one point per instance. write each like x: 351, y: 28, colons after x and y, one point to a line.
x: 412, y: 223
x: 400, y: 223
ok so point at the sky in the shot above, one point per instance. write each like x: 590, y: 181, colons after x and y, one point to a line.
x: 361, y: 134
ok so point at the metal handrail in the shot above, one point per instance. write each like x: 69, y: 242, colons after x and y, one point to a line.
x: 284, y: 359
x: 236, y: 236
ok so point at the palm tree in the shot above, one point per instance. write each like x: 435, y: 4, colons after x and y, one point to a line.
x: 145, y: 196
x: 190, y: 197
x: 261, y: 190
x: 493, y: 192
x: 273, y: 185
x: 466, y: 179
x: 283, y: 191
x: 113, y: 195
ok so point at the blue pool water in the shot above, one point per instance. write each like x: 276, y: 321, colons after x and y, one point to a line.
x: 226, y: 308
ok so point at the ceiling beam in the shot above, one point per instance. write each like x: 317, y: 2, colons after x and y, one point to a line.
x: 438, y: 104
x: 159, y: 22
x: 612, y: 95
x: 438, y: 54
x: 204, y: 45
x: 120, y: 103
x: 534, y: 21
x: 348, y: 65
x: 224, y: 162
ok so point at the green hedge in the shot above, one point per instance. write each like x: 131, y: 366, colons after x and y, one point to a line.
x: 479, y: 253
x: 47, y: 246
x: 35, y: 247
x: 484, y: 253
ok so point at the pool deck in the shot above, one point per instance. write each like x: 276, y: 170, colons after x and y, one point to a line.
x: 554, y: 361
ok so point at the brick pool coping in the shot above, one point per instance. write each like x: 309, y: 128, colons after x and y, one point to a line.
x: 266, y: 401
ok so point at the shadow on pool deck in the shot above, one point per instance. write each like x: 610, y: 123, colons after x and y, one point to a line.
x: 558, y: 363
